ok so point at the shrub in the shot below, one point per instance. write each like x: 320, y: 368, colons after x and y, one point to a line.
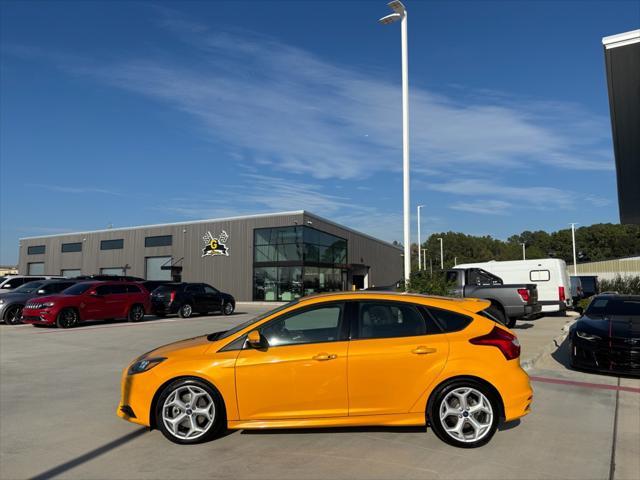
x: 436, y: 284
x: 629, y: 285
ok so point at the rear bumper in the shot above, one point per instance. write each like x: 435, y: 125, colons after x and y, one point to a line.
x: 523, y: 311
x: 163, y: 308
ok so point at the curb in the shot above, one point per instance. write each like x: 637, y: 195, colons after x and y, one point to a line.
x: 262, y: 304
x: 551, y: 347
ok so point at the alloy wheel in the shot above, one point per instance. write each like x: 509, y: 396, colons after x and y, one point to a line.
x: 466, y: 414
x: 228, y: 308
x: 14, y: 315
x: 188, y: 412
x: 187, y: 310
x: 137, y: 313
x: 68, y: 318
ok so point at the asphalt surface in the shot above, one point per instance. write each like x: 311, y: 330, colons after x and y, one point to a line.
x: 59, y: 390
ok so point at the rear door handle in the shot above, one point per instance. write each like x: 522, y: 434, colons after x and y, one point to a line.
x: 323, y: 357
x: 423, y: 350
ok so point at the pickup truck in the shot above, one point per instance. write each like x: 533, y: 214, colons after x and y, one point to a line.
x: 508, y: 302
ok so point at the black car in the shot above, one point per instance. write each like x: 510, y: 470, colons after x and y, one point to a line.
x: 151, y: 285
x: 607, y: 337
x: 11, y: 303
x: 186, y: 298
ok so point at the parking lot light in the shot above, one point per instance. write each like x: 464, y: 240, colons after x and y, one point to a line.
x: 400, y: 14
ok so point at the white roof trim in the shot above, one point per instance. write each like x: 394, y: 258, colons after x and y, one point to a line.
x: 226, y: 219
x: 621, y: 39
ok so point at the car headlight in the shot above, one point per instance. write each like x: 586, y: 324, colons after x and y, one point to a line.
x: 48, y: 304
x: 144, y: 364
x: 1, y: 302
x: 588, y: 336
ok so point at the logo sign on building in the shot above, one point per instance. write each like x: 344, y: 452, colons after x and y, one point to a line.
x: 215, y: 246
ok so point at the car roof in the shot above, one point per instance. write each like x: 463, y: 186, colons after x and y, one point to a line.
x: 470, y: 304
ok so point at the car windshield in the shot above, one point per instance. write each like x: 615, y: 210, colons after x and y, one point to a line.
x: 29, y: 287
x: 627, y: 307
x: 77, y: 289
x: 244, y: 325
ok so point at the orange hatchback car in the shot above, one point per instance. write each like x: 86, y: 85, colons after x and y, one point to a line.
x: 346, y: 359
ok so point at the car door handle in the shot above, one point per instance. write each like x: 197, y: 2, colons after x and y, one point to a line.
x: 323, y: 357
x: 423, y: 350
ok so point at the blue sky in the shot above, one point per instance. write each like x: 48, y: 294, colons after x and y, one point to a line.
x: 130, y: 113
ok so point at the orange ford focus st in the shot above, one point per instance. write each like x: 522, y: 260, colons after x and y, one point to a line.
x: 346, y: 359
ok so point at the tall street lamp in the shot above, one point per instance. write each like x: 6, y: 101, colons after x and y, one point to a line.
x: 441, y: 255
x: 419, y: 240
x: 573, y: 240
x: 524, y: 255
x: 400, y: 13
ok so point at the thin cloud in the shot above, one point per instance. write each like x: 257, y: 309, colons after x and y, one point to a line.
x: 80, y: 190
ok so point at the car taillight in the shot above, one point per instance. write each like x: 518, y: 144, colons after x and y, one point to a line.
x: 507, y: 342
x: 524, y: 294
x: 561, y: 294
x: 172, y: 297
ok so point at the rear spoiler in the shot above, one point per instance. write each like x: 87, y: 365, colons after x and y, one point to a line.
x: 473, y: 305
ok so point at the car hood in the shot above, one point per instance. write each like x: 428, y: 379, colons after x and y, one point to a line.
x: 620, y: 326
x: 12, y: 297
x: 188, y: 347
x: 47, y: 298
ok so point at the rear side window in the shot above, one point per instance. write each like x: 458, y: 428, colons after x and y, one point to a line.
x: 132, y: 289
x: 389, y: 320
x: 118, y: 289
x: 195, y: 289
x: 104, y: 290
x: 164, y: 289
x: 449, y: 321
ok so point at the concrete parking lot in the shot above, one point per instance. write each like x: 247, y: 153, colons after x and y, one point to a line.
x: 59, y: 390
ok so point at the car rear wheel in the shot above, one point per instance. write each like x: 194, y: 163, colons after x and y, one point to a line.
x: 228, y: 308
x: 136, y: 313
x: 464, y: 414
x: 13, y: 315
x: 185, y: 311
x: 499, y: 315
x: 67, y: 318
x: 190, y: 411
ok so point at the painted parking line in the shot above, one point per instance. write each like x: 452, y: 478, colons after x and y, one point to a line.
x: 574, y: 383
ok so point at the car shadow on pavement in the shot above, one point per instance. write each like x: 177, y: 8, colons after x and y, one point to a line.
x: 509, y: 425
x: 305, y: 431
x: 96, y: 452
x: 522, y: 326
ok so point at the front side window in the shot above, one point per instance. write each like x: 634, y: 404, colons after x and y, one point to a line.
x: 314, y: 325
x: 210, y: 290
x: 56, y: 287
x: 112, y: 244
x: 195, y: 289
x: 29, y: 287
x: 388, y: 320
x: 132, y: 289
x: 104, y: 290
x: 118, y: 289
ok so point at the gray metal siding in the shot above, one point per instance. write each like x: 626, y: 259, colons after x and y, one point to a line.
x: 233, y: 274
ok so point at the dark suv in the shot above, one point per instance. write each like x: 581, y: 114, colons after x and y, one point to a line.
x: 186, y: 298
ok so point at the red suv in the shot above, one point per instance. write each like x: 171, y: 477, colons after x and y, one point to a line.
x: 89, y: 301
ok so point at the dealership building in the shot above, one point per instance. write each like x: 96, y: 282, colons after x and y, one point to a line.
x: 268, y: 257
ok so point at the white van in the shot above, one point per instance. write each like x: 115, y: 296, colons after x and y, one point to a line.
x: 549, y: 275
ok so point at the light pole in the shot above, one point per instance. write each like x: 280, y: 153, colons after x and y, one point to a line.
x: 441, y: 255
x: 573, y: 240
x: 524, y: 255
x: 419, y: 240
x: 400, y: 13
x: 424, y: 258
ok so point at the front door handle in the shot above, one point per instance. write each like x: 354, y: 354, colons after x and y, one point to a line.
x: 423, y: 350
x: 323, y: 357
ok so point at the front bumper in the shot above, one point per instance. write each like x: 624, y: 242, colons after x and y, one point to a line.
x: 39, y: 316
x: 136, y: 397
x: 604, y: 357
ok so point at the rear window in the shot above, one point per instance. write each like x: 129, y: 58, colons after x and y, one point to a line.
x: 165, y: 289
x: 614, y: 306
x: 449, y: 321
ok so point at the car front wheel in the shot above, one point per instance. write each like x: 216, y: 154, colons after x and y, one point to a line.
x: 13, y: 316
x: 228, y: 308
x: 464, y: 414
x: 190, y: 411
x: 136, y: 313
x: 67, y: 318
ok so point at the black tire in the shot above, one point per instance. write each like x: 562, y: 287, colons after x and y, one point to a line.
x: 228, y: 308
x: 215, y: 427
x: 185, y: 311
x: 438, y: 426
x: 136, y: 313
x: 13, y: 315
x: 67, y: 318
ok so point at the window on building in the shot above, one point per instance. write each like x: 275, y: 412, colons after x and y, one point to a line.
x: 35, y: 268
x: 293, y: 261
x: 36, y: 250
x: 117, y: 244
x: 158, y: 241
x: 71, y: 247
x: 112, y: 271
x: 154, y: 270
x: 70, y: 272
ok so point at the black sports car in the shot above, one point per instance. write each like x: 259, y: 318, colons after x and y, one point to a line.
x: 607, y: 337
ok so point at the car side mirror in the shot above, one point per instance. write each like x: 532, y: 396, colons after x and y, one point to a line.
x: 41, y: 291
x: 255, y: 339
x: 93, y: 293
